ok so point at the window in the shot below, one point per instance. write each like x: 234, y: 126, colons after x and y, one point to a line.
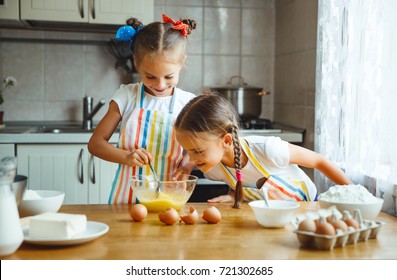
x: 356, y: 93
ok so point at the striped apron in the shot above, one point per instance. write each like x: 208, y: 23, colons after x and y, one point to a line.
x: 153, y: 129
x: 278, y: 187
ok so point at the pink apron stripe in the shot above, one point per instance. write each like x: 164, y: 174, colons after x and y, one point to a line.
x: 283, y: 191
x: 273, y: 194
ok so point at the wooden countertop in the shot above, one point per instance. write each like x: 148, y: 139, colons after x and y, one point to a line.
x: 237, y: 236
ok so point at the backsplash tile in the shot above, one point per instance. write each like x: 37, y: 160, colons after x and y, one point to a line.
x: 258, y: 71
x: 103, y: 80
x: 179, y: 3
x: 191, y: 79
x: 64, y: 75
x: 24, y: 110
x: 222, y: 31
x: 27, y: 68
x: 258, y: 31
x: 223, y: 3
x: 223, y: 68
x: 57, y: 110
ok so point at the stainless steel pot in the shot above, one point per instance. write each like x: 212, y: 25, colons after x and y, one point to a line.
x: 246, y: 99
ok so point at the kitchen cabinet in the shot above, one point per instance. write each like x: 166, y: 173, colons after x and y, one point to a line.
x: 87, y: 11
x: 9, y: 9
x: 6, y: 150
x: 69, y: 168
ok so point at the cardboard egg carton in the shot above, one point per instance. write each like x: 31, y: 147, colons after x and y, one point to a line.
x: 368, y: 230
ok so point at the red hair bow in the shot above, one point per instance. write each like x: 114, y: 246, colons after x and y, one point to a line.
x: 178, y: 25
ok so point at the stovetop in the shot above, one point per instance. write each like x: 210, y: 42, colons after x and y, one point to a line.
x: 261, y: 131
x: 255, y: 123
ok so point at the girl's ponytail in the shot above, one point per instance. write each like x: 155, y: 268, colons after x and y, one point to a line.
x: 238, y: 192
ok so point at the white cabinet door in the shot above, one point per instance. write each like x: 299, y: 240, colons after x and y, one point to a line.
x: 68, y: 168
x: 100, y: 179
x: 6, y: 150
x: 88, y: 11
x: 59, y: 10
x: 9, y: 9
x: 118, y: 11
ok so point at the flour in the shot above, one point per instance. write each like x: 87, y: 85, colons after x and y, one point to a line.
x: 347, y: 194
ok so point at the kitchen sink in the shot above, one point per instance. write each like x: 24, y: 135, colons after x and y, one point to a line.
x: 63, y: 129
x: 48, y: 128
x: 17, y: 129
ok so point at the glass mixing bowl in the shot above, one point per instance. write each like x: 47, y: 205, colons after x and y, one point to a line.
x: 171, y: 193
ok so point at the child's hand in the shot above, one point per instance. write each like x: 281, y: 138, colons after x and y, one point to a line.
x: 222, y: 198
x: 185, y: 169
x: 139, y: 157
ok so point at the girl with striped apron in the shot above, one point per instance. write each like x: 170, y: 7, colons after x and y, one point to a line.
x: 278, y: 187
x: 153, y: 129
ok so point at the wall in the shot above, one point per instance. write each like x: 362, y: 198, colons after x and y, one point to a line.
x: 233, y: 37
x: 295, y: 64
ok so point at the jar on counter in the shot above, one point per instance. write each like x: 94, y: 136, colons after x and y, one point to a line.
x: 11, y: 234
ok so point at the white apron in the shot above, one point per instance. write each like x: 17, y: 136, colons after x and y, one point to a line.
x: 153, y: 129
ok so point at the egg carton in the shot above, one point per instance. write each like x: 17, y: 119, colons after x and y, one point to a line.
x: 368, y: 230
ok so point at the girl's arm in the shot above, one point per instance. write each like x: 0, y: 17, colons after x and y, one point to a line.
x: 307, y: 158
x: 100, y: 147
x: 186, y: 167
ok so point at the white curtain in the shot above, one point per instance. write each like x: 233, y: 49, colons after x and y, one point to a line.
x: 356, y: 93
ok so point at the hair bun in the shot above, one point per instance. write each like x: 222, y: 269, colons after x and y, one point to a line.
x: 191, y: 23
x: 134, y: 22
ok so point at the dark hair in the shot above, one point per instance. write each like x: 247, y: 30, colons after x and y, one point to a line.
x: 213, y: 114
x: 159, y: 38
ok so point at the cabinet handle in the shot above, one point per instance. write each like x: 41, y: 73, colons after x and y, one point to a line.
x: 81, y: 174
x: 93, y: 180
x: 81, y: 8
x: 93, y: 9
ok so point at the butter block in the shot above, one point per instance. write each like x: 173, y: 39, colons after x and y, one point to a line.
x: 57, y: 225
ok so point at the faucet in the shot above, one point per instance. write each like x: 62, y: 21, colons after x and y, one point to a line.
x: 88, y: 112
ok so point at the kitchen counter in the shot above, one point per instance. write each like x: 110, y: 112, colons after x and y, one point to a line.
x: 30, y: 133
x: 237, y: 236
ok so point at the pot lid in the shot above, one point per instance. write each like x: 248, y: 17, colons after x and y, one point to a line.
x: 241, y: 84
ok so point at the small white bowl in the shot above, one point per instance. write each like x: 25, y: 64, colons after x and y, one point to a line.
x: 43, y: 201
x: 278, y: 215
x: 369, y: 211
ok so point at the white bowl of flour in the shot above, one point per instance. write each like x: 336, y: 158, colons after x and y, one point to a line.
x: 351, y: 197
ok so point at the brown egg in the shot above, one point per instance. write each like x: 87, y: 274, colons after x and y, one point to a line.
x: 325, y: 229
x: 339, y: 224
x: 138, y: 212
x: 191, y: 217
x: 330, y: 218
x: 212, y: 215
x: 169, y: 216
x: 352, y: 223
x: 307, y: 225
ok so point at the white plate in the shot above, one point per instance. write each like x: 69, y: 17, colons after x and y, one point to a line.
x: 94, y: 230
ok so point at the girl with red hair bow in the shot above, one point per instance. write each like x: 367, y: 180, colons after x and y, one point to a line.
x: 146, y: 111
